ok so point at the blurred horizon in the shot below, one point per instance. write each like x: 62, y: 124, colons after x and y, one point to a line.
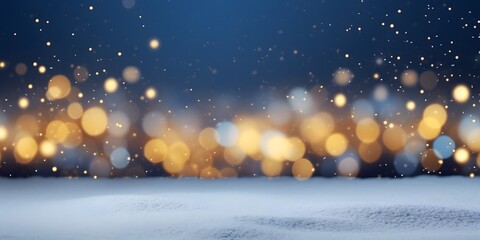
x: 214, y: 88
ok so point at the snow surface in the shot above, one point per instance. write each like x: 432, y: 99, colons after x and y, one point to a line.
x: 247, y: 208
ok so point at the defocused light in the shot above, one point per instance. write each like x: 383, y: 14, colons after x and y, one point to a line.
x: 75, y: 110
x: 120, y: 158
x: 271, y: 168
x: 274, y: 145
x: 21, y: 69
x: 444, y: 146
x: 3, y: 133
x: 461, y: 93
x: 23, y: 103
x: 348, y: 167
x: 154, y: 124
x: 178, y: 154
x: 210, y: 173
x: 380, y: 93
x: 409, y: 78
x: 370, y: 152
x: 57, y: 131
x: 42, y: 69
x: 428, y: 80
x: 151, y: 93
x: 154, y: 44
x: 227, y: 134
x: 234, y: 155
x: 155, y: 150
x: 131, y: 74
x: 279, y: 113
x: 437, y: 112
x: 340, y: 100
x: 300, y: 100
x: 342, y: 77
x: 430, y: 161
x: 316, y: 128
x: 80, y: 74
x: 74, y: 137
x: 25, y: 149
x: 58, y: 87
x: 110, y: 85
x: 94, y: 121
x: 367, y: 130
x: 362, y: 109
x: 118, y: 124
x: 336, y: 144
x: 207, y: 138
x: 249, y: 141
x: 461, y: 155
x: 48, y: 148
x: 469, y: 132
x: 394, y: 138
x: 302, y: 169
x: 410, y: 105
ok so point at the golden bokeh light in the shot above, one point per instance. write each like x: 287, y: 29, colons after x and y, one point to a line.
x: 178, y: 154
x: 3, y: 133
x: 48, y: 148
x: 25, y: 149
x: 74, y: 137
x: 394, y: 138
x: 370, y: 152
x: 27, y: 124
x: 42, y: 69
x: 410, y: 105
x: 110, y: 85
x: 234, y: 155
x: 271, y: 168
x: 340, y: 100
x: 57, y: 131
x: 58, y: 87
x: 336, y: 144
x: 207, y: 138
x: 94, y: 121
x: 461, y: 155
x: 151, y: 93
x: 154, y: 44
x: 318, y: 127
x: 23, y: 102
x: 437, y: 112
x: 210, y: 173
x: 249, y: 141
x: 275, y: 146
x: 367, y: 130
x: 429, y: 128
x: 295, y: 150
x: 155, y: 150
x: 75, y: 110
x: 461, y: 93
x: 302, y: 169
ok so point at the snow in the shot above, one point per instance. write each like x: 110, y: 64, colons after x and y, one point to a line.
x: 246, y: 208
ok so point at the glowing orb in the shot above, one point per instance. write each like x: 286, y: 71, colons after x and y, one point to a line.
x: 461, y: 93
x: 94, y: 121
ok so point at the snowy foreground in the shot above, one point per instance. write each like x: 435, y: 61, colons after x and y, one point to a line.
x: 256, y: 208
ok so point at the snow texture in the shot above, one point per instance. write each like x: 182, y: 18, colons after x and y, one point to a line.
x: 231, y: 209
